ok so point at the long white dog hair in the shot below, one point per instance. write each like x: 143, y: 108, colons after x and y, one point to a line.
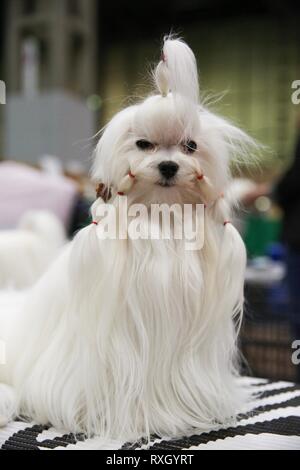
x: 125, y: 338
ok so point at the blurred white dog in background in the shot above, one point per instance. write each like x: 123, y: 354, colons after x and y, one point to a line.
x: 124, y: 338
x: 27, y: 251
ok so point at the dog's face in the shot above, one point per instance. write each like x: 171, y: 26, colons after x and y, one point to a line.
x: 151, y: 139
x: 169, y: 138
x: 160, y: 146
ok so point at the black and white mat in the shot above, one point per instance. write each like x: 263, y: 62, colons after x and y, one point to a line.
x: 271, y: 421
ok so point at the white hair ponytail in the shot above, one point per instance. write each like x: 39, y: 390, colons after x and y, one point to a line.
x: 177, y: 71
x: 177, y: 74
x: 232, y: 267
x: 232, y: 262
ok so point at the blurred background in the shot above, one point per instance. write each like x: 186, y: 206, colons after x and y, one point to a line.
x: 69, y: 65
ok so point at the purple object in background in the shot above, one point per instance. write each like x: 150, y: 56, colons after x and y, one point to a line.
x: 23, y: 188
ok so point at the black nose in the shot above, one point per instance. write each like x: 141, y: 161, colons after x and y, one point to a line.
x: 168, y: 169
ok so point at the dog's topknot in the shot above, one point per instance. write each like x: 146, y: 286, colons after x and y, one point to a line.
x: 177, y: 71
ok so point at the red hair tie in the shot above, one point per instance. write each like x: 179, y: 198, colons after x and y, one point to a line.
x: 95, y: 223
x: 120, y: 193
x: 226, y: 222
x: 200, y: 177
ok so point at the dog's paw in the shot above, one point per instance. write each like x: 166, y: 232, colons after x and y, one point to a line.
x: 8, y: 404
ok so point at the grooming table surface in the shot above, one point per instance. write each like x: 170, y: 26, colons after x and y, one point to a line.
x: 272, y: 421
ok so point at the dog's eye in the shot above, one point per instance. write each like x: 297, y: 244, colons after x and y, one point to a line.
x: 145, y: 145
x: 189, y: 147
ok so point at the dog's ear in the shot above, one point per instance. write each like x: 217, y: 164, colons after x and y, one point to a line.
x: 104, y: 192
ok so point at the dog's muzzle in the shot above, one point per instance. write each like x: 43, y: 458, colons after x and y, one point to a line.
x: 168, y: 170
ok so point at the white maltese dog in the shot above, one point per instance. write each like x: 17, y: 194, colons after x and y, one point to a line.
x: 124, y: 338
x: 27, y: 251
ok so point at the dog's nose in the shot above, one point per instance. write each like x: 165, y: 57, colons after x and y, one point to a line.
x: 168, y: 169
